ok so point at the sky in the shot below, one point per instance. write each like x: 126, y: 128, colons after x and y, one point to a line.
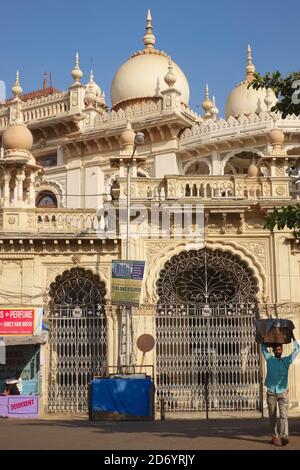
x: 207, y: 39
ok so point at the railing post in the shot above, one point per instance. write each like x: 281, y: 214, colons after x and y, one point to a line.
x: 206, y: 391
x: 162, y: 410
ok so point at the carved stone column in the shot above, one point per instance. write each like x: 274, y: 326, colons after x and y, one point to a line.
x: 6, y: 188
x: 13, y: 188
x: 20, y: 181
x: 224, y: 221
x: 32, y: 190
x: 242, y: 223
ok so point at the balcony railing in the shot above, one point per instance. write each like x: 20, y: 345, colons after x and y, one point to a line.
x: 67, y: 221
x: 41, y: 108
x: 207, y: 188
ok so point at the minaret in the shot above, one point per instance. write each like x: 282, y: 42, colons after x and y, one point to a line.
x: 170, y: 78
x: 90, y: 93
x: 171, y: 96
x: 94, y: 97
x: 77, y: 89
x: 77, y: 73
x: 207, y: 103
x: 19, y: 169
x: 214, y: 110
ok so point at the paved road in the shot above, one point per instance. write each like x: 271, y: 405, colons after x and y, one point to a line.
x: 186, y: 434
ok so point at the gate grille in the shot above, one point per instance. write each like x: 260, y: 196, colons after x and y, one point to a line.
x: 215, y: 341
x: 78, y: 338
x: 78, y: 343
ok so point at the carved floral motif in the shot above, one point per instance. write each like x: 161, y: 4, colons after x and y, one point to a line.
x: 280, y: 190
x: 258, y: 249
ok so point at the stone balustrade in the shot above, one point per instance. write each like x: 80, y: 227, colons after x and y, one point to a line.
x: 79, y: 222
x: 45, y: 111
x: 41, y: 108
x: 67, y: 221
x: 207, y: 188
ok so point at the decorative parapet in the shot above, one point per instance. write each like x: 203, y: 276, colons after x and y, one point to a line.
x: 52, y: 221
x: 40, y: 108
x: 67, y: 221
x: 134, y: 110
x: 191, y: 113
x: 245, y: 123
x: 46, y: 107
x: 143, y: 108
x: 207, y: 188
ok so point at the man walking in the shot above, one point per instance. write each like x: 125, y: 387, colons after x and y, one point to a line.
x: 277, y: 390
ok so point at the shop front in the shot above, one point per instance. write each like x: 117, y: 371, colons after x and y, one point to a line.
x: 20, y: 373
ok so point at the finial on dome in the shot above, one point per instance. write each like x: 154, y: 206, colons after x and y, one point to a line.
x: 170, y: 78
x: 207, y: 103
x: 214, y: 110
x: 77, y: 73
x: 250, y: 69
x: 149, y: 38
x: 206, y: 91
x: 92, y: 77
x: 17, y: 89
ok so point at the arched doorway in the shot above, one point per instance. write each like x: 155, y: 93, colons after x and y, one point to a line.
x: 205, y: 333
x: 78, y: 338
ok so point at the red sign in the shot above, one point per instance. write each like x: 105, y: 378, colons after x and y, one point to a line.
x: 16, y: 322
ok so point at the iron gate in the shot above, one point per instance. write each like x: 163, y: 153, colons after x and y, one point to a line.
x: 78, y: 339
x: 205, y: 332
x: 78, y: 343
x: 213, y: 343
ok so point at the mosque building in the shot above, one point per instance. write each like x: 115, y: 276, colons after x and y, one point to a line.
x: 63, y: 171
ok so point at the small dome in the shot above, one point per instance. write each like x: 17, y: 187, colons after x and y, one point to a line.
x: 142, y: 76
x: 244, y: 100
x: 17, y: 136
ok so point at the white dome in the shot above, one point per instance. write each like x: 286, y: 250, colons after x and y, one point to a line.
x: 142, y: 76
x: 244, y: 100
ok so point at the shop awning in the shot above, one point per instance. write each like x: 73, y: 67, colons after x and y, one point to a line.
x: 15, y: 340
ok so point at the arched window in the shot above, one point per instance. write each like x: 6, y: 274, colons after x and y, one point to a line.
x: 46, y: 199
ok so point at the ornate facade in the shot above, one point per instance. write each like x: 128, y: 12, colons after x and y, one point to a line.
x: 65, y: 157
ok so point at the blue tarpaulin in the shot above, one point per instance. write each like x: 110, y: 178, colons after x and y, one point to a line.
x: 122, y: 395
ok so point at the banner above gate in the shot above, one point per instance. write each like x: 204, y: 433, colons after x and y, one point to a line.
x: 21, y: 321
x: 127, y: 281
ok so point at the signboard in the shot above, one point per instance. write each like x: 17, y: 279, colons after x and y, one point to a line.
x: 24, y: 321
x: 19, y: 407
x: 127, y: 281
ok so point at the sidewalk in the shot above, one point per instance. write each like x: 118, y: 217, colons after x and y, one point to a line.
x: 217, y: 433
